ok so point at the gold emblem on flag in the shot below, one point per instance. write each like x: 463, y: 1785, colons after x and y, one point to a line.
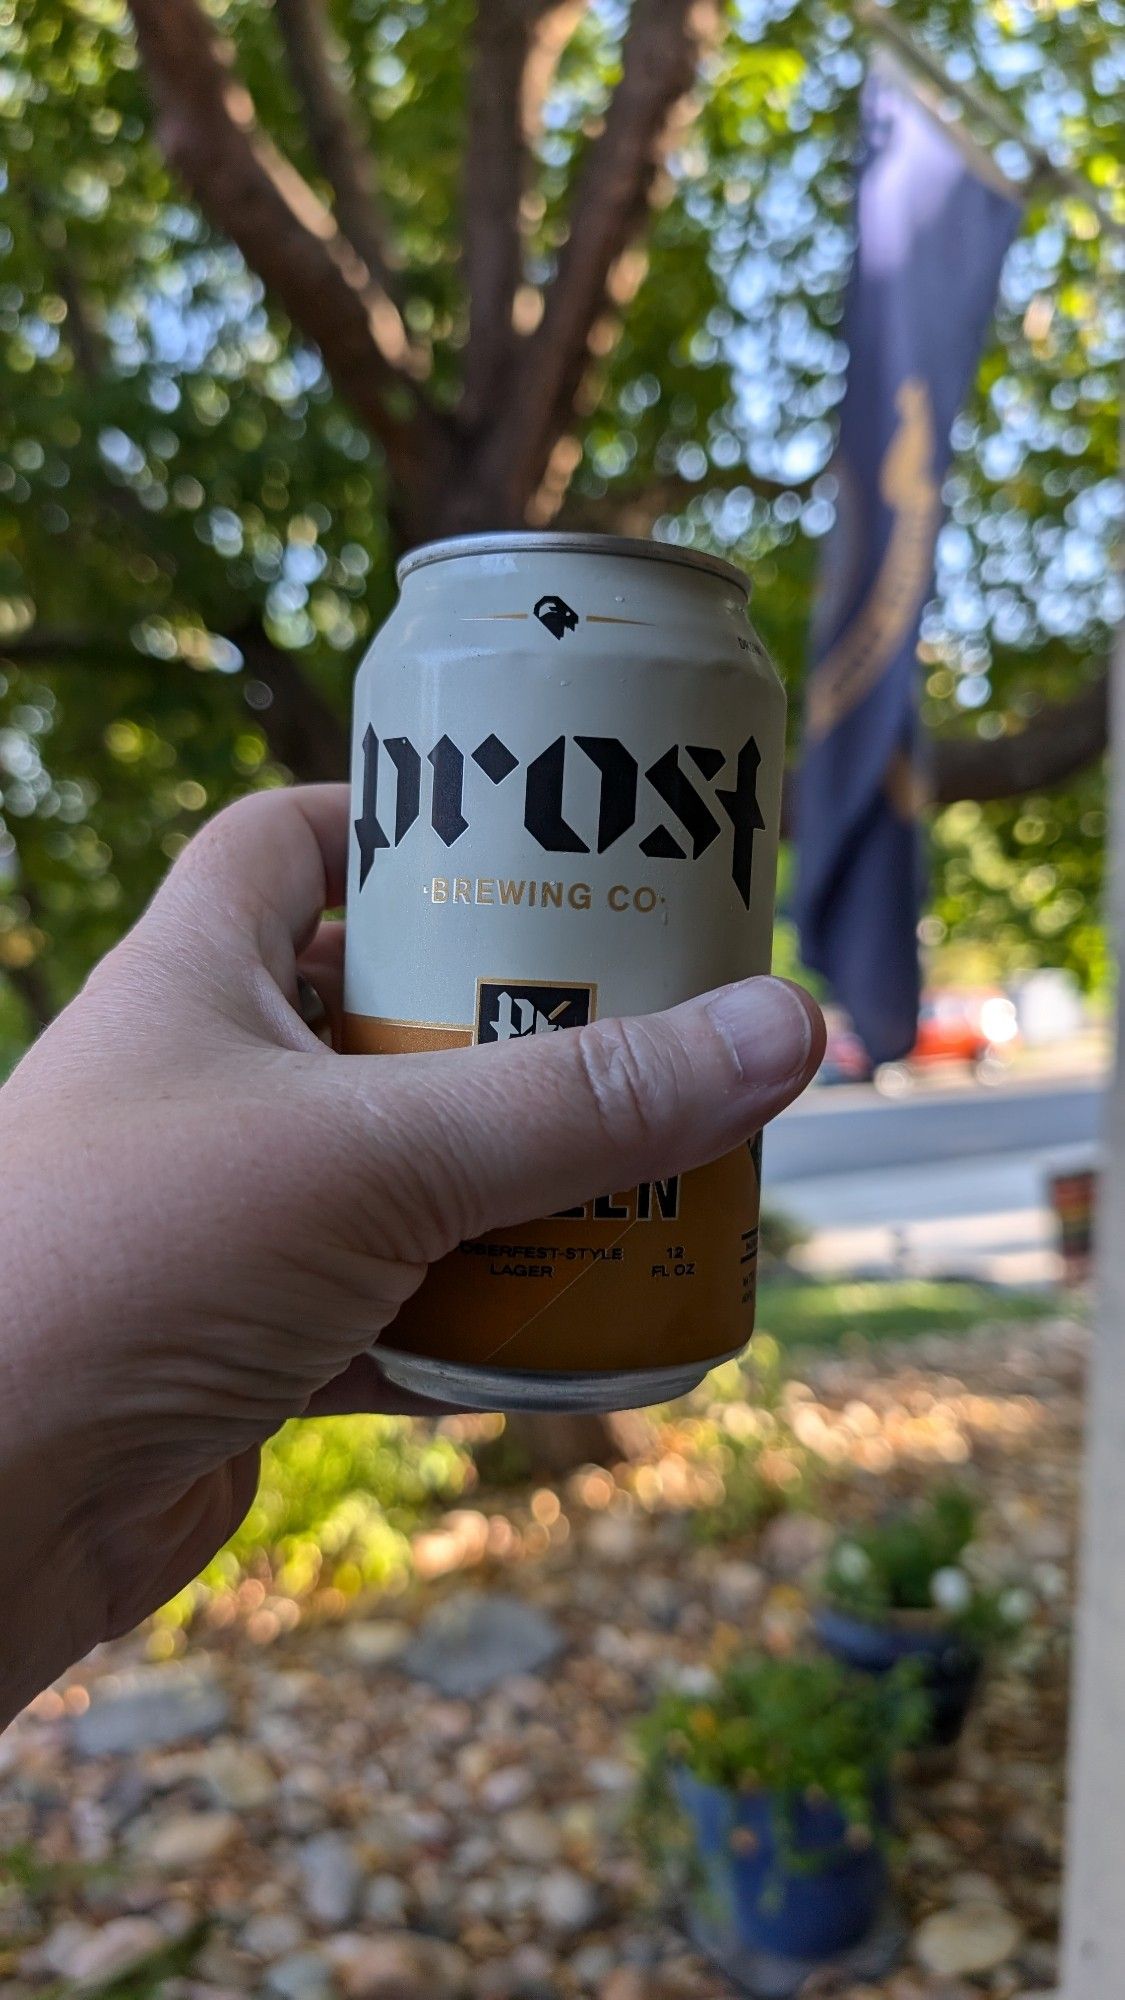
x: 867, y: 646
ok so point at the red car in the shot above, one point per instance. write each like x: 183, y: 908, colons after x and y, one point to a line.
x: 976, y: 1028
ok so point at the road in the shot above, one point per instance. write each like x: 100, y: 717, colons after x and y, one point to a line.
x: 945, y: 1180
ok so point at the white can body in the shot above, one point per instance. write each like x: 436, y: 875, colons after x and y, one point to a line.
x: 566, y: 779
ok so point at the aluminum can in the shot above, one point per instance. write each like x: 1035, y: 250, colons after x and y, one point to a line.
x: 567, y: 777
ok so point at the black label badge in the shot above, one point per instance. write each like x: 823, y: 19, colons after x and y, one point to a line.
x: 556, y: 614
x: 510, y: 1009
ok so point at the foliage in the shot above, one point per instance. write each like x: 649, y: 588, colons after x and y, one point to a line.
x: 826, y: 1312
x: 790, y: 1728
x: 336, y: 1504
x: 174, y: 463
x: 761, y: 1467
x: 921, y: 1560
x: 1022, y: 881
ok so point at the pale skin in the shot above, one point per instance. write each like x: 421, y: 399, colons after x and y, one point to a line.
x: 207, y: 1216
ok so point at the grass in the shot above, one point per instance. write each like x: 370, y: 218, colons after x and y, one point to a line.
x: 829, y: 1313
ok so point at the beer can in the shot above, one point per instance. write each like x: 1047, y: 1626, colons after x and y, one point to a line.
x: 567, y: 776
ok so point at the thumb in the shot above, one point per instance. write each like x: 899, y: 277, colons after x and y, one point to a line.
x: 507, y: 1131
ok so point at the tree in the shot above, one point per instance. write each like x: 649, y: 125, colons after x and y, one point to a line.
x: 290, y: 286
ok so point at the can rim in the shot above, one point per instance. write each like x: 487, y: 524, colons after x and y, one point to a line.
x: 567, y: 542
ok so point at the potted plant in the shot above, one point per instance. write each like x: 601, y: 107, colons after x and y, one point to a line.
x: 772, y: 1794
x: 909, y: 1589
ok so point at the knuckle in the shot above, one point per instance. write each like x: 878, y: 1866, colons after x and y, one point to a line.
x: 222, y: 833
x: 630, y: 1078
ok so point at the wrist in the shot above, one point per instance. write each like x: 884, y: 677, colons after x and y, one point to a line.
x: 49, y: 1582
x: 48, y: 1586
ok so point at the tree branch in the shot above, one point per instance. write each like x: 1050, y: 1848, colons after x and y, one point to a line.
x: 1063, y: 739
x: 30, y: 983
x: 84, y: 337
x: 303, y: 731
x: 516, y: 44
x: 632, y: 510
x: 209, y: 133
x: 659, y: 61
x: 30, y: 980
x: 61, y: 646
x: 337, y: 143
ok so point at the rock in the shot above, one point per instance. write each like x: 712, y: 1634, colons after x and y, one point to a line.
x: 59, y: 1949
x: 303, y: 1976
x: 476, y: 1639
x: 627, y: 1983
x: 374, y: 1642
x: 969, y: 1938
x: 611, y: 1774
x: 237, y: 1776
x: 566, y: 1901
x: 185, y: 1841
x: 613, y: 1537
x: 531, y: 1965
x: 200, y: 1989
x: 119, y: 1948
x: 385, y: 1901
x: 514, y: 1892
x: 530, y: 1836
x: 970, y: 1886
x: 270, y: 1934
x: 331, y: 1880
x: 218, y: 1962
x: 593, y: 1962
x: 661, y: 1600
x: 150, y: 1708
x: 400, y: 1966
x: 509, y: 1786
x: 1039, y: 1962
x: 792, y: 1543
x: 738, y: 1587
x: 931, y: 1850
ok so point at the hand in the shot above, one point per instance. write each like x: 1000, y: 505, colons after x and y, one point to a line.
x: 208, y: 1216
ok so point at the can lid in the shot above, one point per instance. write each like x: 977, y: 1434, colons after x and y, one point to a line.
x: 521, y: 542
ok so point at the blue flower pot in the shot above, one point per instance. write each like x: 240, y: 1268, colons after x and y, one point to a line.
x: 815, y: 1897
x: 951, y: 1670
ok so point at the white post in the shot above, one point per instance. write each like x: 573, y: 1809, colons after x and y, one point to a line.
x: 1094, y: 1902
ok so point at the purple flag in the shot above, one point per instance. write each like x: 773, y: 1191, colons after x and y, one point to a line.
x: 932, y: 235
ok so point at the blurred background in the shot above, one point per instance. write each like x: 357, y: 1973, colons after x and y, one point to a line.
x: 285, y: 289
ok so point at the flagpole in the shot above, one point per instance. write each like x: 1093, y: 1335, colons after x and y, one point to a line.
x: 1093, y: 1904
x: 880, y: 23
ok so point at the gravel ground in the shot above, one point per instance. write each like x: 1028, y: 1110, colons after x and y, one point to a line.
x: 288, y: 1810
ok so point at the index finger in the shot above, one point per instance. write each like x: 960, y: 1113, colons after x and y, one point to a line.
x: 264, y: 871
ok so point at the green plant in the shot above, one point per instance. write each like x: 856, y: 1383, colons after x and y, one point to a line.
x: 762, y: 1468
x: 338, y: 1500
x: 923, y: 1560
x: 795, y: 1729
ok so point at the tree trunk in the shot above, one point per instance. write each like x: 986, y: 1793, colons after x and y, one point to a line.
x: 555, y: 1445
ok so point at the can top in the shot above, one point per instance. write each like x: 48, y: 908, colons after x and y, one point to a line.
x: 560, y: 542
